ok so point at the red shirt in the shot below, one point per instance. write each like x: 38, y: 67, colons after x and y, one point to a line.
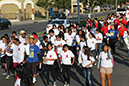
x: 121, y: 31
x: 124, y: 22
x: 96, y: 25
x: 104, y: 29
x: 116, y: 21
x: 90, y: 22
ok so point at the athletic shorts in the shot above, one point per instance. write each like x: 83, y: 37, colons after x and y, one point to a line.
x: 32, y: 67
x: 3, y: 59
x: 106, y: 70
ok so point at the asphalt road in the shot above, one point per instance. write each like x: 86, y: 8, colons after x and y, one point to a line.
x: 38, y: 27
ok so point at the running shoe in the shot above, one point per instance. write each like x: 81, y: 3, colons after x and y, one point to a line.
x: 7, y: 77
x: 55, y: 84
x: 65, y: 84
x: 4, y: 73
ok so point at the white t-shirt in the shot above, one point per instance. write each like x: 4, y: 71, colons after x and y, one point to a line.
x: 52, y: 39
x: 66, y: 57
x: 99, y: 38
x: 22, y: 40
x: 56, y: 31
x: 38, y: 43
x: 104, y: 61
x: 82, y: 44
x: 65, y: 35
x: 69, y: 39
x: 85, y: 60
x: 18, y: 53
x: 3, y: 46
x: 91, y: 43
x: 50, y: 55
x: 126, y: 39
x: 59, y: 49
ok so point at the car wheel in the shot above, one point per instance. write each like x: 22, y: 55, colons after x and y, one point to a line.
x: 9, y: 26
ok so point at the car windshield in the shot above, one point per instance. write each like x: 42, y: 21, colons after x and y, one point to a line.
x: 121, y: 10
x: 57, y: 22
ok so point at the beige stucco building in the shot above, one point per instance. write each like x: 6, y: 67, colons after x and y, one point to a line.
x: 20, y: 9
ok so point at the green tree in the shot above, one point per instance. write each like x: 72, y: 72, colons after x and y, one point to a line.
x: 62, y: 4
x: 46, y: 4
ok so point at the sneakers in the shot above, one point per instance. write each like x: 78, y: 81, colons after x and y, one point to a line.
x: 8, y: 76
x: 34, y: 80
x: 55, y: 84
x: 65, y: 84
x: 78, y: 64
x: 97, y: 57
x: 4, y: 73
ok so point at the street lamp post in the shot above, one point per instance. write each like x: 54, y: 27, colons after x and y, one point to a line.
x: 116, y: 5
x: 78, y: 11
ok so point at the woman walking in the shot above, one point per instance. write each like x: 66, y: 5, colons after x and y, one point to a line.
x: 50, y: 57
x: 87, y: 64
x: 65, y: 58
x: 105, y: 64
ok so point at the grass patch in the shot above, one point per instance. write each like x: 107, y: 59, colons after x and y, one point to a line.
x: 38, y: 34
x: 39, y: 18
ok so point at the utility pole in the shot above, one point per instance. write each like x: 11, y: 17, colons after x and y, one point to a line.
x: 116, y: 5
x: 78, y: 11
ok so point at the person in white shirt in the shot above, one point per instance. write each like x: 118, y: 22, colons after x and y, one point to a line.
x: 87, y: 64
x: 49, y: 59
x: 70, y: 37
x: 92, y: 43
x: 126, y: 39
x: 81, y: 45
x: 9, y: 60
x: 52, y: 37
x: 18, y: 53
x: 59, y: 44
x: 56, y: 31
x: 65, y: 58
x: 99, y: 38
x: 3, y: 46
x: 105, y: 64
x: 22, y: 36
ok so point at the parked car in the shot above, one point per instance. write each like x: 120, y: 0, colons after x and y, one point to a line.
x: 120, y: 12
x: 4, y: 23
x: 64, y: 22
x: 57, y: 16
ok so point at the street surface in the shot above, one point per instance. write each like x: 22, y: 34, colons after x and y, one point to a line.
x: 120, y: 74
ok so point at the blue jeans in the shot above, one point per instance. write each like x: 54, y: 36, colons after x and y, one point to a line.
x: 99, y: 47
x: 87, y: 75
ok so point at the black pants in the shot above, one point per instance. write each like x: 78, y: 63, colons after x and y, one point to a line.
x: 50, y: 69
x: 112, y: 44
x: 9, y: 62
x: 66, y: 72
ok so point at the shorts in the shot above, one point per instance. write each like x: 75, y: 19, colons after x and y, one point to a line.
x: 15, y: 64
x: 32, y: 67
x: 108, y: 70
x: 3, y: 59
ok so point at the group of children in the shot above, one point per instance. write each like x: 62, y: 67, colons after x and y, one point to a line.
x: 61, y: 48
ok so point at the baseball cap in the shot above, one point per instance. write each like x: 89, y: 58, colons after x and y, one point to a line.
x: 22, y: 32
